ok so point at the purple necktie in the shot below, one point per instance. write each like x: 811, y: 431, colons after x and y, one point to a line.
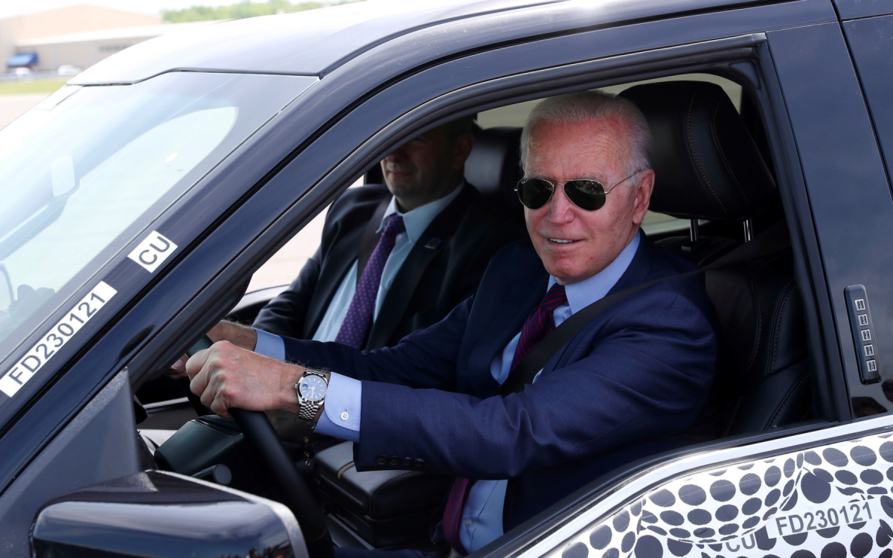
x: 539, y: 323
x: 359, y: 313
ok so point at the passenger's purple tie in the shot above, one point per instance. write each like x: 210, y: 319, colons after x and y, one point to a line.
x: 359, y: 313
x: 539, y: 323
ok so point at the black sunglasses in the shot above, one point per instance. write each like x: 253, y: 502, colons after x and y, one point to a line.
x: 585, y: 194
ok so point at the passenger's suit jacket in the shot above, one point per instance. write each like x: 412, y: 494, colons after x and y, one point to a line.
x: 630, y: 380
x: 443, y: 268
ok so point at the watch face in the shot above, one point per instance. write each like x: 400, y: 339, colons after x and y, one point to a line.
x: 313, y: 388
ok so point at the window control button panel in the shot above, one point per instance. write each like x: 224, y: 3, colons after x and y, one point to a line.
x: 863, y: 333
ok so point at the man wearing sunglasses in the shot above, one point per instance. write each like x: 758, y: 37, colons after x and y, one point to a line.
x: 627, y: 385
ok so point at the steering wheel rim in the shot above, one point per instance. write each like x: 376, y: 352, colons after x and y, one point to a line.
x: 295, y: 493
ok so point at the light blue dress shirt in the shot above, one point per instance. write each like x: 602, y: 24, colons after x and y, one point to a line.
x: 482, y: 514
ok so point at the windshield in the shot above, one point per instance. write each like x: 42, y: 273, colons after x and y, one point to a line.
x: 85, y: 171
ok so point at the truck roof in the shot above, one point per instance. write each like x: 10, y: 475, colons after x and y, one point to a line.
x: 313, y: 43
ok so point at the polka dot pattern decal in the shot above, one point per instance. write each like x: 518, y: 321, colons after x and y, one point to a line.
x: 829, y: 502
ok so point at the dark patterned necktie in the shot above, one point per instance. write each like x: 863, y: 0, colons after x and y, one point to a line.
x: 539, y: 323
x: 359, y: 313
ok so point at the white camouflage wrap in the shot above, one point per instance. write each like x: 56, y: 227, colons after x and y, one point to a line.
x: 829, y: 502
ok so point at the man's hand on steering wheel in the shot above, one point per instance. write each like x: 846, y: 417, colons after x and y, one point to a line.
x: 239, y: 335
x: 227, y: 376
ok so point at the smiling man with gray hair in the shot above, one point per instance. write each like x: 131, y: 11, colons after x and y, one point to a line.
x: 624, y: 386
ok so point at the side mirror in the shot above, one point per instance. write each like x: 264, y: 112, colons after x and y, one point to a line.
x: 163, y: 515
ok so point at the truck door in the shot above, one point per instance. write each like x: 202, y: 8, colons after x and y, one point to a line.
x: 848, y: 194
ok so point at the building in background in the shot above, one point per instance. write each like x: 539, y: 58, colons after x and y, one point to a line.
x: 77, y: 36
x: 85, y: 49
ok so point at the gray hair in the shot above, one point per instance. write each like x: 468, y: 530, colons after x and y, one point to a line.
x: 586, y: 106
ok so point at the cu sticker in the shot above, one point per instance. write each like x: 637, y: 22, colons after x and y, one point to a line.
x: 152, y: 251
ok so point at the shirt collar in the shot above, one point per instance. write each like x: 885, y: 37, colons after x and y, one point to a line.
x: 582, y: 294
x: 417, y: 220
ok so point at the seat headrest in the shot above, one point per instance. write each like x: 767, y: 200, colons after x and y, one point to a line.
x: 707, y: 166
x: 494, y: 167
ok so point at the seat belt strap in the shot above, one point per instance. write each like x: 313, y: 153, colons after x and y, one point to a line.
x: 528, y: 368
x: 772, y: 239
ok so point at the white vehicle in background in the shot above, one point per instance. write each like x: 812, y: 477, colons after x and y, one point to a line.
x: 68, y: 70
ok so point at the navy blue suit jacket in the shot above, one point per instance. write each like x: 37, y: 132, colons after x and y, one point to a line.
x: 636, y: 375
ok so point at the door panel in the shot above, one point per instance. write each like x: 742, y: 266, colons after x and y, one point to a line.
x: 851, y: 9
x: 847, y: 187
x: 871, y: 44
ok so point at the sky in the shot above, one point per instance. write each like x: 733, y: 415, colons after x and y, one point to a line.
x: 16, y: 7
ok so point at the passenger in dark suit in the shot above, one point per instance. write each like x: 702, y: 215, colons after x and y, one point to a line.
x: 443, y: 268
x: 444, y: 263
x: 628, y: 384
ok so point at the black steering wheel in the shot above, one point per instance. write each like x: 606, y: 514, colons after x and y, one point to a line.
x: 294, y: 492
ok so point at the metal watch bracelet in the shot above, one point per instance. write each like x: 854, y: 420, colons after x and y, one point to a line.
x: 309, y: 410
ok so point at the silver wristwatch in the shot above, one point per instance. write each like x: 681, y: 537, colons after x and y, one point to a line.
x: 311, y: 389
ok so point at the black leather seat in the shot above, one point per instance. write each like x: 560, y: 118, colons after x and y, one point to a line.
x: 494, y: 167
x: 764, y: 358
x: 385, y: 508
x: 709, y: 168
x: 706, y: 163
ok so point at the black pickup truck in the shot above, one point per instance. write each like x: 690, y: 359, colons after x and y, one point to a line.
x: 139, y: 200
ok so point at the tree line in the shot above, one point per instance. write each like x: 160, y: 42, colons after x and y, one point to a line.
x: 243, y: 10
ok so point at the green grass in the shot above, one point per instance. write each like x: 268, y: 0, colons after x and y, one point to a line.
x: 244, y: 9
x: 31, y: 86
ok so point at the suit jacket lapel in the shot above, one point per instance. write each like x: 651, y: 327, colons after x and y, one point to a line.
x: 423, y: 252
x: 501, y: 316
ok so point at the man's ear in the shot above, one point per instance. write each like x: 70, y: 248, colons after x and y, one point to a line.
x: 462, y: 150
x: 643, y: 195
